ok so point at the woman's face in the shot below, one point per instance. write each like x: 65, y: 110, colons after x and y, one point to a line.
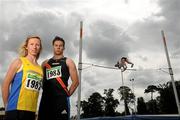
x: 33, y: 46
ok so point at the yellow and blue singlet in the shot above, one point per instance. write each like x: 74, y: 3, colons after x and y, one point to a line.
x: 25, y: 87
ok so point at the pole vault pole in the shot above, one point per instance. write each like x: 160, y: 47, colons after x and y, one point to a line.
x: 80, y: 70
x: 171, y: 72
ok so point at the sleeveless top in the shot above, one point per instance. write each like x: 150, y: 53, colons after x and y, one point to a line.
x: 25, y: 87
x: 51, y: 87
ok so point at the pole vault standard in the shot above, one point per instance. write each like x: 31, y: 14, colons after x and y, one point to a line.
x: 122, y: 78
x: 80, y: 70
x: 171, y: 72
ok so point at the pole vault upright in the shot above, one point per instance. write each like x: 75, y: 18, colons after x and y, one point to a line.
x: 171, y: 72
x: 80, y: 70
x: 122, y: 78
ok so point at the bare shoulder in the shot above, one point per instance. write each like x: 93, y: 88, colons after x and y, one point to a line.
x: 16, y: 63
x: 70, y: 62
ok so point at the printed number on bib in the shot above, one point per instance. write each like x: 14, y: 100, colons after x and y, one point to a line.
x: 53, y: 72
x: 33, y: 82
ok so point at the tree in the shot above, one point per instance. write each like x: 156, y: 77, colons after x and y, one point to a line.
x: 110, y: 103
x: 141, y: 106
x: 126, y: 95
x: 151, y: 89
x: 152, y: 107
x: 93, y: 107
x: 166, y: 100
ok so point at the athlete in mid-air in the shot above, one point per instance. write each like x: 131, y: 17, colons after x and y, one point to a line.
x: 121, y: 64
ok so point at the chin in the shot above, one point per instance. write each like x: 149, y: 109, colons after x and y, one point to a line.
x: 58, y: 53
x: 35, y: 54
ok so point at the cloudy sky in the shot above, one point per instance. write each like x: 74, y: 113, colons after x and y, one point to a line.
x: 111, y: 29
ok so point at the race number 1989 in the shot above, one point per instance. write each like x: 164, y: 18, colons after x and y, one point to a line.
x: 33, y: 82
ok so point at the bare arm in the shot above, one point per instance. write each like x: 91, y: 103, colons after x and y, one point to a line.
x: 128, y: 61
x: 42, y: 66
x: 15, y: 65
x: 73, y: 75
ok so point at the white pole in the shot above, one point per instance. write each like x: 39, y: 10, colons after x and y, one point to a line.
x: 80, y: 70
x: 123, y: 92
x: 171, y: 72
x: 132, y: 81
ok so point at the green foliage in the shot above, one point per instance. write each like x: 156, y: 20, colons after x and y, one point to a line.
x: 166, y: 100
x: 126, y: 95
x: 97, y: 105
x: 152, y: 107
x: 141, y: 106
x: 110, y: 103
x: 93, y: 107
x: 151, y: 89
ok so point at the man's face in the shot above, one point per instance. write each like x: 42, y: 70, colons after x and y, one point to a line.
x: 58, y: 47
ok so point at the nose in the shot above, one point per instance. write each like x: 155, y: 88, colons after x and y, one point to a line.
x: 35, y: 46
x: 59, y: 47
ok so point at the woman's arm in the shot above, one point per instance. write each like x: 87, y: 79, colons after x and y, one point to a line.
x: 14, y: 66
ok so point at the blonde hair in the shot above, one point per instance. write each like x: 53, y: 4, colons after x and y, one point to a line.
x: 23, y: 52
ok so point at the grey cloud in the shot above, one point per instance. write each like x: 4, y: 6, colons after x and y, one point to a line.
x: 106, y: 43
x: 45, y: 24
x: 150, y: 77
x: 143, y: 58
x: 148, y: 31
x: 172, y: 25
x: 148, y: 35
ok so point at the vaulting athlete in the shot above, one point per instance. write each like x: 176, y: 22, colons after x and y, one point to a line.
x: 121, y: 64
x: 21, y: 85
x: 54, y: 104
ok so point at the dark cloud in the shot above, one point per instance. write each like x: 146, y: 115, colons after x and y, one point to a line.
x: 47, y: 25
x: 148, y: 35
x: 148, y: 31
x: 107, y: 42
x: 170, y: 10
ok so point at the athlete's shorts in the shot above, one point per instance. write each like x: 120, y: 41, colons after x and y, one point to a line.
x: 19, y: 115
x: 54, y: 109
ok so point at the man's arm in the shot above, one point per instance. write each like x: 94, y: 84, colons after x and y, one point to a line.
x: 73, y: 75
x: 130, y: 63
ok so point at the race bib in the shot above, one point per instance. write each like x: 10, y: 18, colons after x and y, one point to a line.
x: 53, y: 72
x: 33, y: 81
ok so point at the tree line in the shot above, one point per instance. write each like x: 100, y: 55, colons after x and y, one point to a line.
x: 98, y: 105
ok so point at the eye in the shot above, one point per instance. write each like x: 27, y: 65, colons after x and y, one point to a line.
x: 38, y: 45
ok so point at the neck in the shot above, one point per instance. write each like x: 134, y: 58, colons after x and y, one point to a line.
x: 31, y: 58
x: 58, y: 56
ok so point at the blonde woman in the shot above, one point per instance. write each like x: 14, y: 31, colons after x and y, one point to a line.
x: 21, y: 85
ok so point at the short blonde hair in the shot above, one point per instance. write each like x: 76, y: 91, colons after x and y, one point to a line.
x: 23, y: 51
